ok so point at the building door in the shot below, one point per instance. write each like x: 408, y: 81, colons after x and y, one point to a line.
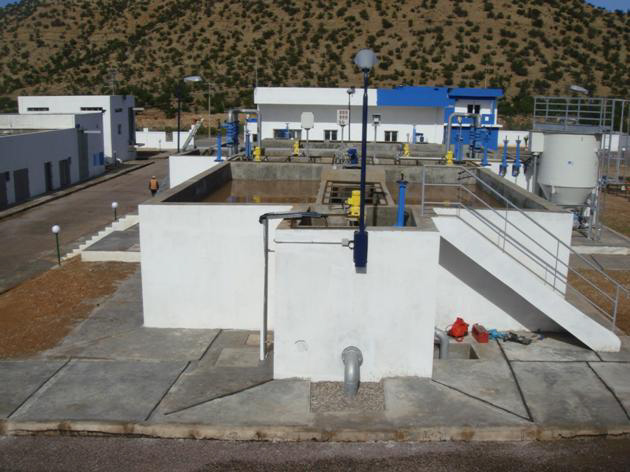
x: 84, y: 170
x: 64, y: 173
x: 48, y: 175
x: 3, y: 191
x: 20, y: 182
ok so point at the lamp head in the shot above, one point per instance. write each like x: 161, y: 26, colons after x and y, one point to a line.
x: 114, y: 205
x: 365, y: 60
x: 350, y: 91
x: 193, y: 78
x: 55, y: 229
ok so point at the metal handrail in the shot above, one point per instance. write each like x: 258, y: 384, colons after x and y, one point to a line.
x: 617, y: 287
x: 525, y: 251
x: 571, y: 250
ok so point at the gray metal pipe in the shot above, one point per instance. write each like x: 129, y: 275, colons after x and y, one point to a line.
x: 352, y: 360
x: 447, y: 144
x: 441, y: 338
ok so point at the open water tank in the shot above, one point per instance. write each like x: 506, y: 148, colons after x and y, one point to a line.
x: 567, y: 172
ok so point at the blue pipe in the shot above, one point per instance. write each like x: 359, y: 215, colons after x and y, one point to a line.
x: 218, y: 159
x: 516, y: 167
x: 504, y: 165
x: 413, y: 140
x: 486, y: 141
x: 402, y: 193
x: 248, y: 147
x: 458, y: 147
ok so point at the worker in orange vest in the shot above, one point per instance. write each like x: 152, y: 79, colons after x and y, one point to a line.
x: 154, y: 186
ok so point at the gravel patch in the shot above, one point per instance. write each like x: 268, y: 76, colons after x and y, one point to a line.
x: 329, y: 397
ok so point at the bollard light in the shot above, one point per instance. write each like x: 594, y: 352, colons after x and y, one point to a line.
x: 55, y: 229
x: 114, y: 207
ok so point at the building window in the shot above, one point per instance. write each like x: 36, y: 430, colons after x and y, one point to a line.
x: 169, y: 137
x: 119, y: 129
x: 38, y: 109
x: 476, y: 109
x: 91, y: 108
x: 391, y: 136
x: 330, y: 135
x: 287, y: 133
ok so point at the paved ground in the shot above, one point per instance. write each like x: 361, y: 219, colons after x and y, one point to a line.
x: 52, y: 454
x: 28, y: 246
x: 113, y: 375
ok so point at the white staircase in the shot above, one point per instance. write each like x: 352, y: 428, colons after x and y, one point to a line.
x: 121, y: 224
x: 192, y: 134
x: 552, y: 302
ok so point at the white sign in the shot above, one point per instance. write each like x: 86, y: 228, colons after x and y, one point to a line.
x: 342, y: 117
x: 308, y: 120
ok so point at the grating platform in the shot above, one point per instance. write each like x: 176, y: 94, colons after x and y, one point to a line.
x: 336, y: 193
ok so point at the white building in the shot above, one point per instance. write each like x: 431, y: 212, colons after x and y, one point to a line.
x: 405, y: 114
x: 153, y: 139
x: 118, y: 117
x: 42, y: 153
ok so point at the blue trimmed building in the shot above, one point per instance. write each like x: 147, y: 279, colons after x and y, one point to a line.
x: 400, y: 114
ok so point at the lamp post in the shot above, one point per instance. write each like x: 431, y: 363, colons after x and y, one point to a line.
x: 198, y: 78
x: 114, y: 207
x: 350, y: 92
x: 55, y: 229
x: 365, y: 61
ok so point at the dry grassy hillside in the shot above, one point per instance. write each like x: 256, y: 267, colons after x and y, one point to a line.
x: 526, y: 47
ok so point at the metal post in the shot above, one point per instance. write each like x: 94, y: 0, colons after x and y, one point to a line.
x: 374, y: 150
x: 209, y: 119
x: 308, y: 154
x: 58, y: 250
x: 402, y: 190
x: 615, y: 306
x: 218, y: 159
x: 179, y: 112
x: 361, y: 236
x: 555, y: 269
x: 349, y: 118
x: 424, y: 180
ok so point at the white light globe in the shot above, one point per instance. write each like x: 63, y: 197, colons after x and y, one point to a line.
x: 55, y: 229
x: 365, y: 59
x: 114, y: 205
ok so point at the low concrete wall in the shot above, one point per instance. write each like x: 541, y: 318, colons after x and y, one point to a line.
x: 182, y: 168
x: 323, y: 305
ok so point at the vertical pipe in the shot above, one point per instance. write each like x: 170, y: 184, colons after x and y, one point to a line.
x: 424, y: 181
x: 209, y: 119
x: 263, y: 325
x: 402, y: 190
x: 219, y: 138
x: 361, y: 237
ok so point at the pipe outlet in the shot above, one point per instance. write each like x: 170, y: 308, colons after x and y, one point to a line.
x: 441, y: 338
x: 352, y: 360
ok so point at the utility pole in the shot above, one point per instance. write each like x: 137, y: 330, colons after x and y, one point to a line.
x: 112, y: 80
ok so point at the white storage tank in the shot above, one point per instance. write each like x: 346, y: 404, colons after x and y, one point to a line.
x: 567, y: 172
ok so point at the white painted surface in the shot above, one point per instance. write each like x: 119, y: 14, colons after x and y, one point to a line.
x: 118, y: 131
x: 427, y: 120
x: 160, y: 139
x: 524, y: 283
x: 567, y: 171
x: 182, y: 168
x: 323, y: 305
x: 311, y: 96
x: 202, y: 265
x: 31, y: 150
x: 523, y: 179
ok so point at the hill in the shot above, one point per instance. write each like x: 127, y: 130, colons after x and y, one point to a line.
x: 142, y: 47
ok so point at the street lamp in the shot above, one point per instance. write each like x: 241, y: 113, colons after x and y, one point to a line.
x: 114, y: 207
x: 365, y: 61
x: 350, y: 92
x: 55, y: 229
x: 198, y: 78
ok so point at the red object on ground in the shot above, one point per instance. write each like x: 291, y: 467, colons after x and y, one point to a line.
x: 480, y: 333
x: 459, y: 329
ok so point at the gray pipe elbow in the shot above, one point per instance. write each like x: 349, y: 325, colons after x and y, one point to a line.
x: 352, y: 360
x: 442, y: 338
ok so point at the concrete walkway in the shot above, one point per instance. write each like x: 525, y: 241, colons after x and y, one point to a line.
x: 111, y: 375
x: 28, y: 246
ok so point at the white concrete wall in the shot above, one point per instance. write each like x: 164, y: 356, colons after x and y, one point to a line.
x: 182, y: 168
x: 115, y: 112
x: 31, y: 151
x: 202, y: 265
x: 157, y: 139
x: 323, y: 305
x: 461, y: 106
x: 311, y: 96
x: 523, y: 179
x: 428, y: 120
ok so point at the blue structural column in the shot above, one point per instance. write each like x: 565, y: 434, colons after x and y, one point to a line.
x: 458, y: 147
x: 516, y: 167
x: 248, y: 147
x: 486, y: 142
x: 218, y: 159
x: 402, y: 194
x: 504, y: 165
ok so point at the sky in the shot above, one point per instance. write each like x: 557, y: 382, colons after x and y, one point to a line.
x: 610, y: 4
